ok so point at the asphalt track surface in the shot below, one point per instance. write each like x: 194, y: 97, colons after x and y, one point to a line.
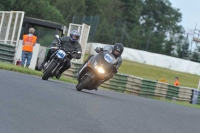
x: 30, y: 105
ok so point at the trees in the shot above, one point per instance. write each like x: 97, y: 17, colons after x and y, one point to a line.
x: 33, y: 8
x: 142, y: 24
x: 182, y: 48
x: 163, y: 19
x: 69, y: 8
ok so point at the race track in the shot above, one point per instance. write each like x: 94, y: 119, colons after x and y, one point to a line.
x: 30, y: 105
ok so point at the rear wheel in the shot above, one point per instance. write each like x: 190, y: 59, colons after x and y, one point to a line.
x: 48, y: 71
x: 83, y: 83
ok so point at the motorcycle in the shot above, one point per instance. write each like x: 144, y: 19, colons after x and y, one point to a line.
x: 56, y: 61
x: 95, y: 71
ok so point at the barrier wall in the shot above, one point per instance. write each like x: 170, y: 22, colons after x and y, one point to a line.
x: 154, y: 59
x: 139, y: 86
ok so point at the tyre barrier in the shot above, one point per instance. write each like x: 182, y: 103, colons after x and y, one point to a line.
x: 7, y: 53
x: 138, y: 86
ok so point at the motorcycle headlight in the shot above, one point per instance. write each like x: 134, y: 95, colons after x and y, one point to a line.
x: 100, y: 69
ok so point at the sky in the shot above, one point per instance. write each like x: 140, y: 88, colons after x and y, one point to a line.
x: 190, y: 16
x: 190, y: 12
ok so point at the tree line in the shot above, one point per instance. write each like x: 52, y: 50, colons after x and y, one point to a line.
x: 151, y: 25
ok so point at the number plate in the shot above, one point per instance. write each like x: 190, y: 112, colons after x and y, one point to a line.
x: 108, y: 58
x: 61, y: 54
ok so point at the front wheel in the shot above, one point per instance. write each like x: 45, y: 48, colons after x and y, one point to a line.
x: 83, y: 83
x: 48, y: 71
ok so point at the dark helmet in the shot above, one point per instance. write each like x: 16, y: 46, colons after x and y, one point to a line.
x: 118, y: 49
x: 74, y: 35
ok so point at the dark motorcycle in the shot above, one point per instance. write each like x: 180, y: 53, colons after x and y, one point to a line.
x: 56, y: 61
x: 95, y: 71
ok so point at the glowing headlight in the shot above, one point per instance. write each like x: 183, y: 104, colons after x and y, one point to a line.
x: 100, y: 70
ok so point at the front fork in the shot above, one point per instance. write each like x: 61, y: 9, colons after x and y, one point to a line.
x: 58, y: 61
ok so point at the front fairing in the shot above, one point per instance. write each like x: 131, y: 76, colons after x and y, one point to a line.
x: 97, y: 61
x: 59, y: 57
x: 104, y: 59
x: 91, y: 68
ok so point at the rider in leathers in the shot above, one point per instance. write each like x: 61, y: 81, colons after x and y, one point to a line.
x: 68, y: 44
x: 117, y: 51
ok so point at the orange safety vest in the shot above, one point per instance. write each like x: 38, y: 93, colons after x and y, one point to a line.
x: 29, y: 41
x: 176, y: 83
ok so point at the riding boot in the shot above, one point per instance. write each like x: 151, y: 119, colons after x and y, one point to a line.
x: 58, y: 76
x: 42, y: 64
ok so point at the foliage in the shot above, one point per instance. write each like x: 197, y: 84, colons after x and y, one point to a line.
x: 151, y: 25
x: 34, y: 8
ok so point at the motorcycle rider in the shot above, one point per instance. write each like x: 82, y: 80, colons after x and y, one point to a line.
x: 117, y: 51
x: 68, y: 44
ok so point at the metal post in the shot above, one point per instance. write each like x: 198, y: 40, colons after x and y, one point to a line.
x: 184, y: 46
x: 19, y: 31
x: 147, y: 47
x: 8, y: 28
x: 92, y: 31
x: 97, y: 23
x: 116, y: 31
x: 73, y: 19
x: 14, y: 28
x: 2, y: 18
x: 123, y: 32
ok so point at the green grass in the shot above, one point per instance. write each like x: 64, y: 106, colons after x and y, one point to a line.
x: 11, y: 67
x: 175, y: 102
x: 183, y: 103
x: 154, y: 73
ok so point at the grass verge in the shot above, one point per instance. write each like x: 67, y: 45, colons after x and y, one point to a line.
x: 11, y: 67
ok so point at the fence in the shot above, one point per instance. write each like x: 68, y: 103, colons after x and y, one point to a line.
x: 93, y: 21
x: 10, y: 26
x: 139, y: 86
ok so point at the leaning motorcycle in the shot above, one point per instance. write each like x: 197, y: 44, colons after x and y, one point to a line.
x: 56, y: 61
x: 94, y: 72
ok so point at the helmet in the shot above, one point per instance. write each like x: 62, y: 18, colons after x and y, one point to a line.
x: 118, y: 49
x: 74, y: 35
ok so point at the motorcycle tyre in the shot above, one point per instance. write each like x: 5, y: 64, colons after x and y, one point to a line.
x: 47, y: 72
x: 83, y: 83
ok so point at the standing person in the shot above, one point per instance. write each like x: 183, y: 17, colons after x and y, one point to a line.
x: 176, y: 82
x: 29, y: 41
x: 68, y: 44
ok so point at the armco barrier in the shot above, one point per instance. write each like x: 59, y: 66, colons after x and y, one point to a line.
x: 139, y: 86
x: 7, y: 53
